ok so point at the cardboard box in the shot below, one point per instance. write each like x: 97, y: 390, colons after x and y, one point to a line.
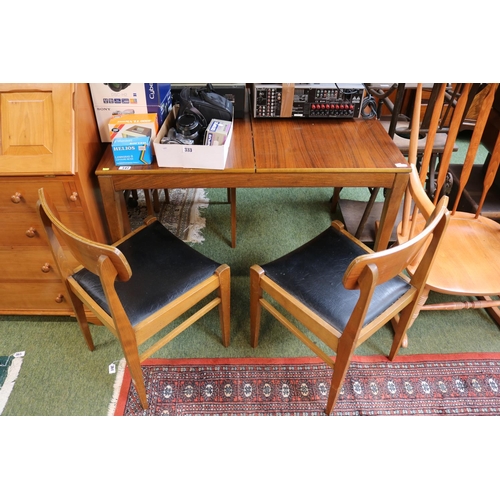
x: 134, y: 98
x: 130, y: 94
x: 217, y: 132
x: 193, y: 156
x: 133, y: 126
x: 132, y: 151
x: 105, y: 113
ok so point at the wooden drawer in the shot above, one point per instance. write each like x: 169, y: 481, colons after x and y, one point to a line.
x: 20, y: 195
x: 48, y: 139
x: 27, y: 229
x: 21, y: 265
x: 34, y: 298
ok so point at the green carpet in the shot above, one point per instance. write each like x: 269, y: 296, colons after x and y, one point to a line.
x: 9, y: 371
x: 60, y: 376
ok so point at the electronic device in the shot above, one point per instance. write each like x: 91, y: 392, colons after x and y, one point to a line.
x: 307, y: 100
x: 137, y: 131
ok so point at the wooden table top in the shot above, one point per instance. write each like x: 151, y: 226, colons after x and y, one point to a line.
x: 302, y: 145
x: 293, y: 145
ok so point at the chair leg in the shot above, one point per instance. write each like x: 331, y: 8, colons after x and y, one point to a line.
x: 373, y: 196
x: 131, y: 354
x: 156, y: 201
x: 416, y: 311
x: 81, y: 317
x: 225, y: 304
x: 342, y: 362
x: 335, y: 198
x: 255, y: 307
x: 493, y: 312
x: 406, y: 318
x: 149, y: 203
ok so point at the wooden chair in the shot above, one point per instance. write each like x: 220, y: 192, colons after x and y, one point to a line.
x: 361, y: 217
x: 343, y: 292
x: 467, y: 263
x: 137, y: 286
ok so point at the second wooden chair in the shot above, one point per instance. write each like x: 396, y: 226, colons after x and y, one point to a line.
x: 343, y: 292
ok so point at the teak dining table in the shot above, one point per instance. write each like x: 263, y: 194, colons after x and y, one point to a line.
x: 271, y: 153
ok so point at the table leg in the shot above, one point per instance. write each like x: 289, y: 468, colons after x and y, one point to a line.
x: 115, y: 209
x: 232, y: 200
x: 390, y: 210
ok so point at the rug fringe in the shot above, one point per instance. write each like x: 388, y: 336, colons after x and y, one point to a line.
x: 116, y: 387
x: 196, y: 222
x: 8, y: 385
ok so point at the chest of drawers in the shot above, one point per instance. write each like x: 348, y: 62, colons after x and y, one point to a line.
x: 49, y: 139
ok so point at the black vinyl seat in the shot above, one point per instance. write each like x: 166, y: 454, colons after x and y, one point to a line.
x: 163, y: 268
x: 313, y: 274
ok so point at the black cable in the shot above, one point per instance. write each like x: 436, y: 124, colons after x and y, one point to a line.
x: 369, y: 102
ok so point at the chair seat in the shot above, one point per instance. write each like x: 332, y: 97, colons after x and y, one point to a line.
x: 402, y: 138
x: 313, y: 274
x: 467, y: 271
x: 158, y: 277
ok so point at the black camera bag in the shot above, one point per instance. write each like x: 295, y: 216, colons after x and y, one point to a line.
x: 205, y: 104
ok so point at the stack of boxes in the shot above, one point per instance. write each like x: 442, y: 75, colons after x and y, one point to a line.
x: 134, y: 117
x: 131, y: 113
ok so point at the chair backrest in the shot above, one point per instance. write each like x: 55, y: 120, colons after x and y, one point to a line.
x: 398, y: 96
x: 88, y: 253
x: 475, y: 141
x: 416, y: 199
x: 391, y: 262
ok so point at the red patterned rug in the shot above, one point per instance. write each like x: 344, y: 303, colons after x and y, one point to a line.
x: 452, y: 384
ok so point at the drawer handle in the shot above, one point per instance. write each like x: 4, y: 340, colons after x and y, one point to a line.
x: 16, y: 197
x: 46, y: 268
x: 74, y: 196
x: 30, y: 233
x: 59, y: 298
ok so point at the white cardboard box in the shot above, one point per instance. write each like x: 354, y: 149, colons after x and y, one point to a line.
x: 193, y: 156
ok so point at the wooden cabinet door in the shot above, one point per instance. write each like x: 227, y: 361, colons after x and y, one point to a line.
x: 36, y: 129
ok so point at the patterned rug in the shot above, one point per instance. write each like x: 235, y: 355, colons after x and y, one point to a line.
x: 9, y: 370
x: 181, y: 214
x: 452, y: 384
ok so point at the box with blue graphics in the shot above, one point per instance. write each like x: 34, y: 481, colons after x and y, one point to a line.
x: 132, y: 151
